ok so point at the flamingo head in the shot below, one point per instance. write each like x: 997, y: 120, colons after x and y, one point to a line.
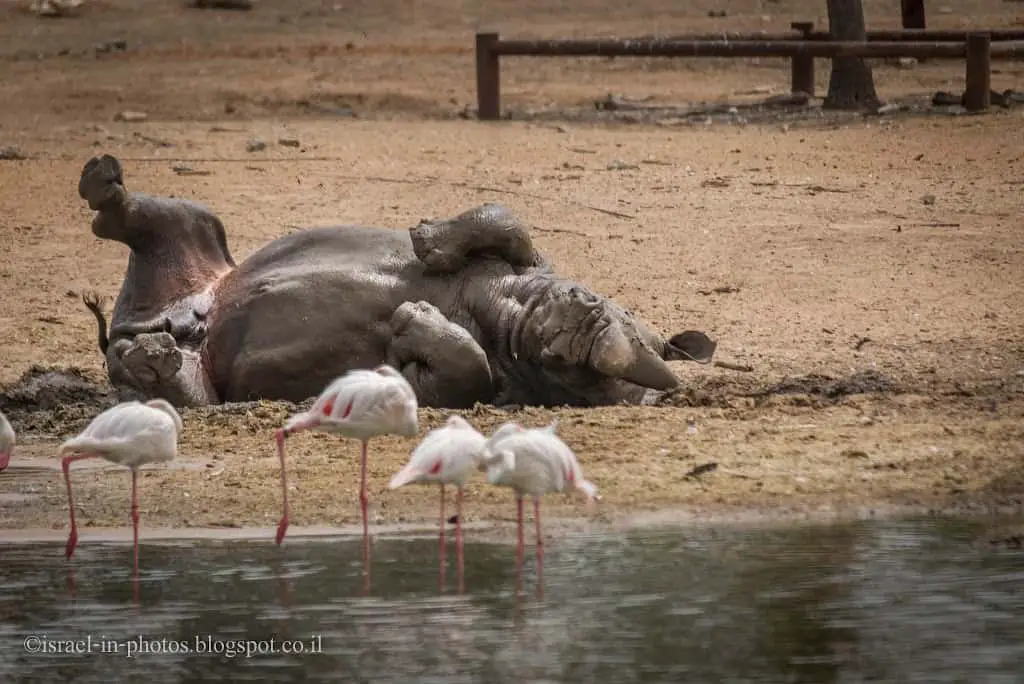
x: 497, y: 464
x: 166, y: 407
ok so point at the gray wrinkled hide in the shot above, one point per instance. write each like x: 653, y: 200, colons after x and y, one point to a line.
x: 464, y: 307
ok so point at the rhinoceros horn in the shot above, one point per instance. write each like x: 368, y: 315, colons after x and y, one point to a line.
x: 617, y: 355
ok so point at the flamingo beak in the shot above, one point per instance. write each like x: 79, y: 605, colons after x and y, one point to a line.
x: 403, y: 477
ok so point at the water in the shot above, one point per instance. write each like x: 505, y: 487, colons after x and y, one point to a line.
x: 906, y: 601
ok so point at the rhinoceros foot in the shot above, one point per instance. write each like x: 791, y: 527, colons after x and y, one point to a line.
x: 441, y: 359
x: 448, y: 245
x: 153, y: 358
x: 418, y: 319
x: 102, y: 182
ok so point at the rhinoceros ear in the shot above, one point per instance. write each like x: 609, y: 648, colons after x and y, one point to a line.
x: 691, y: 345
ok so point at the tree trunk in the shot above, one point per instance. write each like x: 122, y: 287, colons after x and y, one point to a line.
x: 851, y: 85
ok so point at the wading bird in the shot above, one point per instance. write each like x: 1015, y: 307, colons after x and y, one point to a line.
x: 130, y: 434
x: 6, y: 441
x: 449, y: 454
x: 533, y: 462
x: 361, y: 404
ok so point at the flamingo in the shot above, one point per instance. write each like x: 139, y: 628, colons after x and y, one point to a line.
x: 361, y: 404
x: 447, y: 455
x: 130, y: 434
x: 532, y: 462
x: 6, y: 441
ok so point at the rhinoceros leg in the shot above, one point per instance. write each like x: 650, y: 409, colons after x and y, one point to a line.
x: 151, y: 365
x: 439, y: 358
x: 448, y: 245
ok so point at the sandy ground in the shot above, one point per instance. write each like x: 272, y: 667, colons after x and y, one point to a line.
x: 868, y: 269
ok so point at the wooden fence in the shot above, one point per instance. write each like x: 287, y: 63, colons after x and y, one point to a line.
x: 976, y: 48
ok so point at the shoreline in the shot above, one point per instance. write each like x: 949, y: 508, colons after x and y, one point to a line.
x: 502, y: 531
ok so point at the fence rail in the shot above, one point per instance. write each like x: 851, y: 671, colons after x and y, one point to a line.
x: 976, y: 48
x: 803, y: 30
x: 727, y: 48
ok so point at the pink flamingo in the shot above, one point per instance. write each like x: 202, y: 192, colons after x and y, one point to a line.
x: 6, y: 441
x: 448, y: 455
x: 130, y: 434
x: 532, y: 462
x: 361, y: 404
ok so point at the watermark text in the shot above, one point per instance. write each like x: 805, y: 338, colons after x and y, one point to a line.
x: 141, y: 646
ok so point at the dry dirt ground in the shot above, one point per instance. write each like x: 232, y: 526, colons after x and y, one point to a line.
x: 870, y: 270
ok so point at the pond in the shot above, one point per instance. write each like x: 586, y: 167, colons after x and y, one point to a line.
x: 892, y: 601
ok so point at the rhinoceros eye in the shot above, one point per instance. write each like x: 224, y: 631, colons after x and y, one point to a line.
x: 167, y: 325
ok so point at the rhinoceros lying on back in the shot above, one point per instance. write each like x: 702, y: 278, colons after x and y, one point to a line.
x: 463, y: 307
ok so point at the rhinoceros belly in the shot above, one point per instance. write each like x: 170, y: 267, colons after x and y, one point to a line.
x: 307, y: 308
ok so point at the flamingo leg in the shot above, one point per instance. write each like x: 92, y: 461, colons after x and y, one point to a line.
x: 135, y: 518
x: 65, y: 464
x: 363, y: 499
x: 458, y: 534
x: 279, y: 436
x: 540, y: 545
x: 519, y: 541
x: 441, y: 547
x: 366, y: 566
x: 282, y: 527
x: 366, y: 530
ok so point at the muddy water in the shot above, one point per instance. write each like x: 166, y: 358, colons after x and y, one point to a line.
x: 899, y: 601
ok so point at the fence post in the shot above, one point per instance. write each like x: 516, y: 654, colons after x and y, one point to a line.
x: 979, y: 69
x: 912, y: 14
x: 488, y: 78
x: 802, y: 66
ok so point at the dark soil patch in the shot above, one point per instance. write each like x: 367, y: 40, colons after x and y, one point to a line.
x: 862, y: 382
x: 720, y: 392
x: 55, y: 401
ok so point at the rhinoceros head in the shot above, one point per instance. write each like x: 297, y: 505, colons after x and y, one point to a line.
x: 568, y: 345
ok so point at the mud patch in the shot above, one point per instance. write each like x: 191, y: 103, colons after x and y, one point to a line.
x: 55, y: 401
x: 813, y: 390
x: 824, y: 386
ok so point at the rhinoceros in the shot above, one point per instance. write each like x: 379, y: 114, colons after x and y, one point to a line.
x: 464, y: 307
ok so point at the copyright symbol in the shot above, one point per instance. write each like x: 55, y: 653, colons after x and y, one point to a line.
x: 32, y: 644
